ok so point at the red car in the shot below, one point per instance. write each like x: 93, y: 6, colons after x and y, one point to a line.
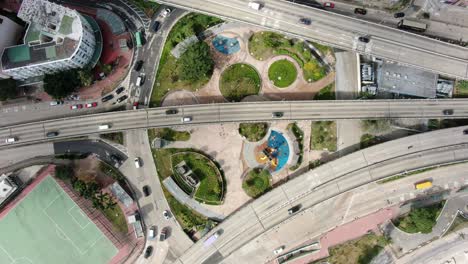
x: 77, y: 106
x: 329, y: 5
x: 89, y: 105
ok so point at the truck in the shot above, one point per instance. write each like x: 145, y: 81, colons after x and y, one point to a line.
x: 210, y: 240
x: 423, y: 185
x: 255, y: 5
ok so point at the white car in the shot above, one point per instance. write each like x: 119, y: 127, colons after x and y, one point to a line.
x: 166, y: 12
x: 278, y: 250
x: 166, y: 214
x: 137, y: 162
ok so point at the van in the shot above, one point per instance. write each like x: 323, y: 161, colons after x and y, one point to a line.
x: 103, y: 127
x: 10, y: 140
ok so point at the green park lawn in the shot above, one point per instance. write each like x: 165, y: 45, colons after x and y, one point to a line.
x: 238, y: 81
x: 256, y: 182
x: 323, y: 135
x: 253, y: 131
x: 283, y: 73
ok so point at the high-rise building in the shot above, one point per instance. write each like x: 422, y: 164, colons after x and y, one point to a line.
x: 57, y: 38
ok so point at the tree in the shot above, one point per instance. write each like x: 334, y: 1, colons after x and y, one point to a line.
x: 86, y: 77
x: 80, y: 187
x: 7, y: 89
x: 61, y: 84
x: 196, y: 62
x: 376, y: 126
x: 64, y: 172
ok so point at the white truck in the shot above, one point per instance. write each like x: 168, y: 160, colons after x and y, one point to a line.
x: 255, y: 5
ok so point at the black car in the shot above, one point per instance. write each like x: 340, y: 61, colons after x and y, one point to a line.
x: 146, y: 190
x: 277, y: 114
x: 448, y: 112
x: 360, y: 11
x: 148, y: 251
x: 107, y: 98
x: 399, y: 14
x: 156, y: 25
x: 138, y: 65
x: 163, y: 234
x: 294, y: 209
x: 364, y: 39
x: 52, y: 134
x: 119, y: 90
x: 172, y: 111
x: 120, y: 99
x: 465, y: 132
x: 305, y: 21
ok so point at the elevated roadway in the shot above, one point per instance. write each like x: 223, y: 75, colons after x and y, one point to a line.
x: 324, y: 183
x: 340, y: 31
x: 232, y: 112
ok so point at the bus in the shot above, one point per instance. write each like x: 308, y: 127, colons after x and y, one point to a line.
x: 423, y: 185
x: 412, y: 25
x: 138, y: 39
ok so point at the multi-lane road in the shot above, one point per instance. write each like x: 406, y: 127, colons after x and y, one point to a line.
x: 324, y: 183
x: 228, y: 112
x: 342, y: 32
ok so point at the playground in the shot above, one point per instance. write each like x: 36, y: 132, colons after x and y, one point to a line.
x: 47, y: 226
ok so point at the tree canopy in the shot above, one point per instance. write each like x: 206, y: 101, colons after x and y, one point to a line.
x: 196, y: 62
x: 7, y: 89
x: 61, y: 84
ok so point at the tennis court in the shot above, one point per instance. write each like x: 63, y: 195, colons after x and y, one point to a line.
x: 48, y: 227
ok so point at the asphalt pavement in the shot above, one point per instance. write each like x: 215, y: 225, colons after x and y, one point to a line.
x: 102, y: 150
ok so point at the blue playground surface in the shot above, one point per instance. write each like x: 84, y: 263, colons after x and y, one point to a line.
x: 226, y: 45
x: 278, y: 142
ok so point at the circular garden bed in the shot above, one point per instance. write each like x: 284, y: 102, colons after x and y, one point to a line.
x: 282, y: 73
x: 238, y: 81
x: 256, y: 182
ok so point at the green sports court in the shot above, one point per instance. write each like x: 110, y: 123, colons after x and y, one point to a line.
x: 48, y: 227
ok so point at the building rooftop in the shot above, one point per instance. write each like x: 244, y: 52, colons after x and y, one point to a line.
x: 53, y: 34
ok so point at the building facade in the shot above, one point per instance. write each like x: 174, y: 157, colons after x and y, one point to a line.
x: 57, y: 39
x: 10, y: 34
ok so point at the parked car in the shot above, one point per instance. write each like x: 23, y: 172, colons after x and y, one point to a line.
x: 278, y: 250
x: 329, y: 5
x: 75, y: 107
x: 360, y: 11
x: 156, y: 25
x: 163, y: 234
x: 148, y: 251
x: 294, y: 209
x: 305, y: 21
x: 122, y: 98
x: 152, y: 232
x: 399, y: 14
x: 166, y: 12
x: 166, y: 214
x: 52, y: 134
x: 172, y: 111
x: 146, y: 190
x: 364, y: 39
x: 119, y: 90
x: 90, y: 105
x: 138, y: 65
x: 448, y: 112
x: 277, y: 114
x: 137, y: 162
x: 107, y: 98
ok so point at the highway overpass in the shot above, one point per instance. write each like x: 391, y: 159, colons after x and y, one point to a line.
x: 341, y: 32
x: 314, y: 187
x: 232, y: 112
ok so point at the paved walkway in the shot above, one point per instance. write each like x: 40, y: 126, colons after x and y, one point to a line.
x: 407, y: 242
x: 183, y: 198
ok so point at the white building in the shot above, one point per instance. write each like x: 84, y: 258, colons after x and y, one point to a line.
x: 58, y: 38
x: 11, y: 32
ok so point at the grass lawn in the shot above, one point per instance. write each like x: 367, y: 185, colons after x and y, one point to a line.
x: 117, y: 217
x: 420, y: 219
x: 299, y: 134
x: 326, y: 93
x: 168, y: 134
x: 256, y: 182
x: 168, y: 75
x: 210, y: 189
x: 265, y: 44
x: 461, y: 89
x: 116, y: 137
x: 238, y: 81
x: 283, y: 73
x: 323, y: 135
x: 253, y: 131
x: 360, y: 251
